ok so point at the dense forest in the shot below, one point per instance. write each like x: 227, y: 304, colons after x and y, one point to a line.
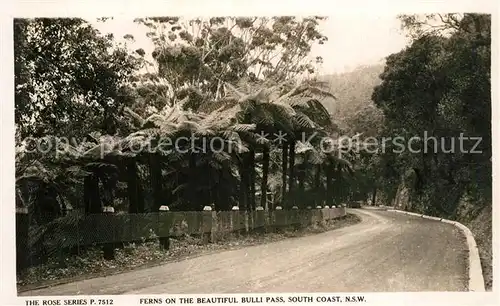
x: 93, y: 116
x: 438, y: 86
x: 209, y: 82
x: 438, y: 89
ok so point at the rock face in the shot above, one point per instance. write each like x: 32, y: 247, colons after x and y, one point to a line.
x: 481, y: 228
x: 479, y: 220
x: 402, y: 198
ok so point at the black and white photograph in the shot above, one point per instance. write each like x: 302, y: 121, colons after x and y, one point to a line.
x: 251, y: 158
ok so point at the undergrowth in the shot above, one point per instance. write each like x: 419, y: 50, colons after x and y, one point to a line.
x: 135, y: 255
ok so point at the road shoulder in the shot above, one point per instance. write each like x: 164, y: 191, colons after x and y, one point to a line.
x: 476, y: 279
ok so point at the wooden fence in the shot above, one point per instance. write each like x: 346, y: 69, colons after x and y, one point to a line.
x: 80, y: 231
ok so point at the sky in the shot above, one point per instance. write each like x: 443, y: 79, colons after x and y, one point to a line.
x: 359, y: 40
x: 353, y: 40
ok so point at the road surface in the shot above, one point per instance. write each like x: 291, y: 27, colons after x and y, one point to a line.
x: 387, y: 251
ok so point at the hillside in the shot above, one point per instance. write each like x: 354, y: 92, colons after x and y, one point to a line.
x: 353, y: 90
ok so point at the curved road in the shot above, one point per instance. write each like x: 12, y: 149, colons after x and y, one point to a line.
x: 387, y: 251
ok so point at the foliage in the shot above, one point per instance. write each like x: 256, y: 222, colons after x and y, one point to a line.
x: 196, y: 57
x: 358, y: 118
x: 440, y: 85
x: 67, y: 82
x: 144, y: 137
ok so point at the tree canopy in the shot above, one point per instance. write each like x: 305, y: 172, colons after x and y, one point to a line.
x: 440, y: 85
x: 67, y: 81
x: 225, y: 79
x: 236, y: 79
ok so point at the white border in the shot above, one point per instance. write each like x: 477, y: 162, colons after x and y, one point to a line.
x: 376, y: 299
x: 190, y: 8
x: 128, y: 8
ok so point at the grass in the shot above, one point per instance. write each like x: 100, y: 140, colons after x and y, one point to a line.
x: 91, y: 264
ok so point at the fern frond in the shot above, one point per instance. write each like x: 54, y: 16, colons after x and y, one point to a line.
x: 302, y: 147
x: 240, y: 127
x: 304, y: 121
x: 136, y: 117
x: 222, y: 156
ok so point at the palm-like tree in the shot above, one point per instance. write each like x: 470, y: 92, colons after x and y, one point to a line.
x: 337, y: 168
x: 184, y: 160
x: 279, y: 108
x: 60, y: 167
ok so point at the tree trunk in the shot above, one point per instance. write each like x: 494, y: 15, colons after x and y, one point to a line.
x: 251, y: 172
x: 96, y: 205
x: 374, y: 195
x: 424, y: 169
x: 243, y: 186
x: 87, y: 193
x: 284, y: 163
x: 291, y: 178
x: 317, y: 185
x: 19, y: 199
x: 134, y: 189
x: 91, y: 195
x: 64, y: 207
x: 109, y: 187
x: 189, y: 193
x: 156, y: 181
x: 338, y: 184
x: 265, y: 171
x: 210, y: 187
x: 47, y: 202
x: 329, y: 185
x: 300, y: 199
